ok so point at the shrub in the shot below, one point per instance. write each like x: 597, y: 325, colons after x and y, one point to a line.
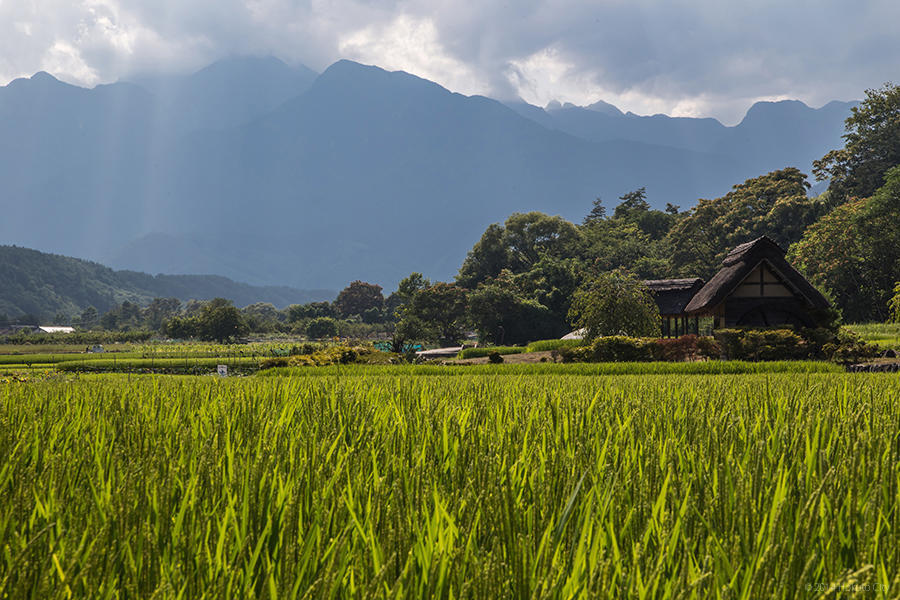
x: 620, y: 348
x: 675, y: 349
x: 709, y: 348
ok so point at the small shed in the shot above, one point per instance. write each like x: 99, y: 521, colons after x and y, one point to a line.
x: 757, y: 287
x: 672, y: 296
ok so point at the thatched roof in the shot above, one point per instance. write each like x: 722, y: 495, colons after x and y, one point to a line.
x: 740, y: 262
x: 672, y: 295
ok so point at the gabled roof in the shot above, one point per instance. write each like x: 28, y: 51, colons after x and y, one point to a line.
x: 672, y: 295
x: 740, y: 262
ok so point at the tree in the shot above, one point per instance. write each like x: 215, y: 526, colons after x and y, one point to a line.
x: 894, y: 305
x: 406, y: 289
x: 853, y: 253
x: 89, y: 318
x: 160, y: 310
x: 357, y: 298
x: 321, y: 327
x: 774, y: 205
x: 442, y: 309
x: 502, y: 314
x: 598, y: 212
x: 529, y: 237
x: 220, y: 321
x: 871, y: 146
x: 182, y: 327
x: 312, y: 310
x: 615, y: 303
x: 486, y: 259
x: 635, y: 201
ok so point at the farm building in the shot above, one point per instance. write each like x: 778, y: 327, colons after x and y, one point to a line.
x: 756, y: 287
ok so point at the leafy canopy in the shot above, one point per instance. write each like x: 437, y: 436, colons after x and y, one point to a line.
x: 615, y: 303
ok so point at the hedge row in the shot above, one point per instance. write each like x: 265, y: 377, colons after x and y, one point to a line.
x: 727, y: 344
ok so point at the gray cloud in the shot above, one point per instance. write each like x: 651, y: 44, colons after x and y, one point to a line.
x: 700, y: 57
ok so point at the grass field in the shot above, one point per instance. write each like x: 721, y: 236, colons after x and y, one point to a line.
x: 883, y: 334
x: 477, y: 484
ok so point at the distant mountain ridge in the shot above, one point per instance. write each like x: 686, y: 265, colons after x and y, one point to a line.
x: 271, y: 174
x: 44, y: 284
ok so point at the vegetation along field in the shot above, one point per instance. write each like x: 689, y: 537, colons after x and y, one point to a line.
x: 484, y: 484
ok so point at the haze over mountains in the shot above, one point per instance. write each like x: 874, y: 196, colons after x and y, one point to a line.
x: 269, y: 174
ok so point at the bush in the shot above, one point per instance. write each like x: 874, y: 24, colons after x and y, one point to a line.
x: 761, y: 344
x: 487, y: 350
x: 620, y: 348
x: 675, y: 349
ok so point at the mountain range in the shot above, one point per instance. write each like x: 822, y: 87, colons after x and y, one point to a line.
x: 272, y: 174
x: 45, y: 285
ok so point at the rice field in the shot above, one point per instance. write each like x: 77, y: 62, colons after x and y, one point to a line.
x: 372, y: 484
x: 886, y: 335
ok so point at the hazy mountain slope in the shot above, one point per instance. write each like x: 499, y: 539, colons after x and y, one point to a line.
x: 226, y: 93
x: 771, y: 136
x: 242, y: 171
x: 48, y: 284
x: 373, y: 174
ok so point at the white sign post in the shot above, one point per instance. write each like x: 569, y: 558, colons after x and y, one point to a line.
x: 222, y: 370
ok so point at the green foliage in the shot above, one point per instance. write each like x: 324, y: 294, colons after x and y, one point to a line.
x: 771, y: 344
x: 441, y: 309
x: 615, y: 303
x: 894, y: 305
x: 775, y: 205
x: 853, y: 253
x: 357, y: 298
x: 321, y: 327
x: 501, y: 313
x: 220, y: 321
x: 871, y: 146
x: 487, y: 350
x: 312, y: 310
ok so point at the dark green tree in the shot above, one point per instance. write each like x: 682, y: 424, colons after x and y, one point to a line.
x: 615, y: 303
x: 894, y: 305
x: 321, y: 327
x: 598, y: 213
x: 774, y: 205
x: 486, y: 259
x: 871, y: 146
x: 502, y: 314
x: 220, y: 321
x: 357, y: 298
x: 442, y: 310
x: 853, y: 253
x: 312, y: 310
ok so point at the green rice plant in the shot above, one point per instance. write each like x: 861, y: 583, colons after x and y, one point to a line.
x: 485, y: 350
x: 548, y: 345
x: 365, y: 484
x: 717, y: 367
x: 886, y: 335
x: 161, y: 365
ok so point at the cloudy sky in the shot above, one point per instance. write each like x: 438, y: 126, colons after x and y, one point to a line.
x: 680, y: 57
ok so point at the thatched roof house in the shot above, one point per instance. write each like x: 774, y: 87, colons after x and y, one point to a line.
x: 756, y: 287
